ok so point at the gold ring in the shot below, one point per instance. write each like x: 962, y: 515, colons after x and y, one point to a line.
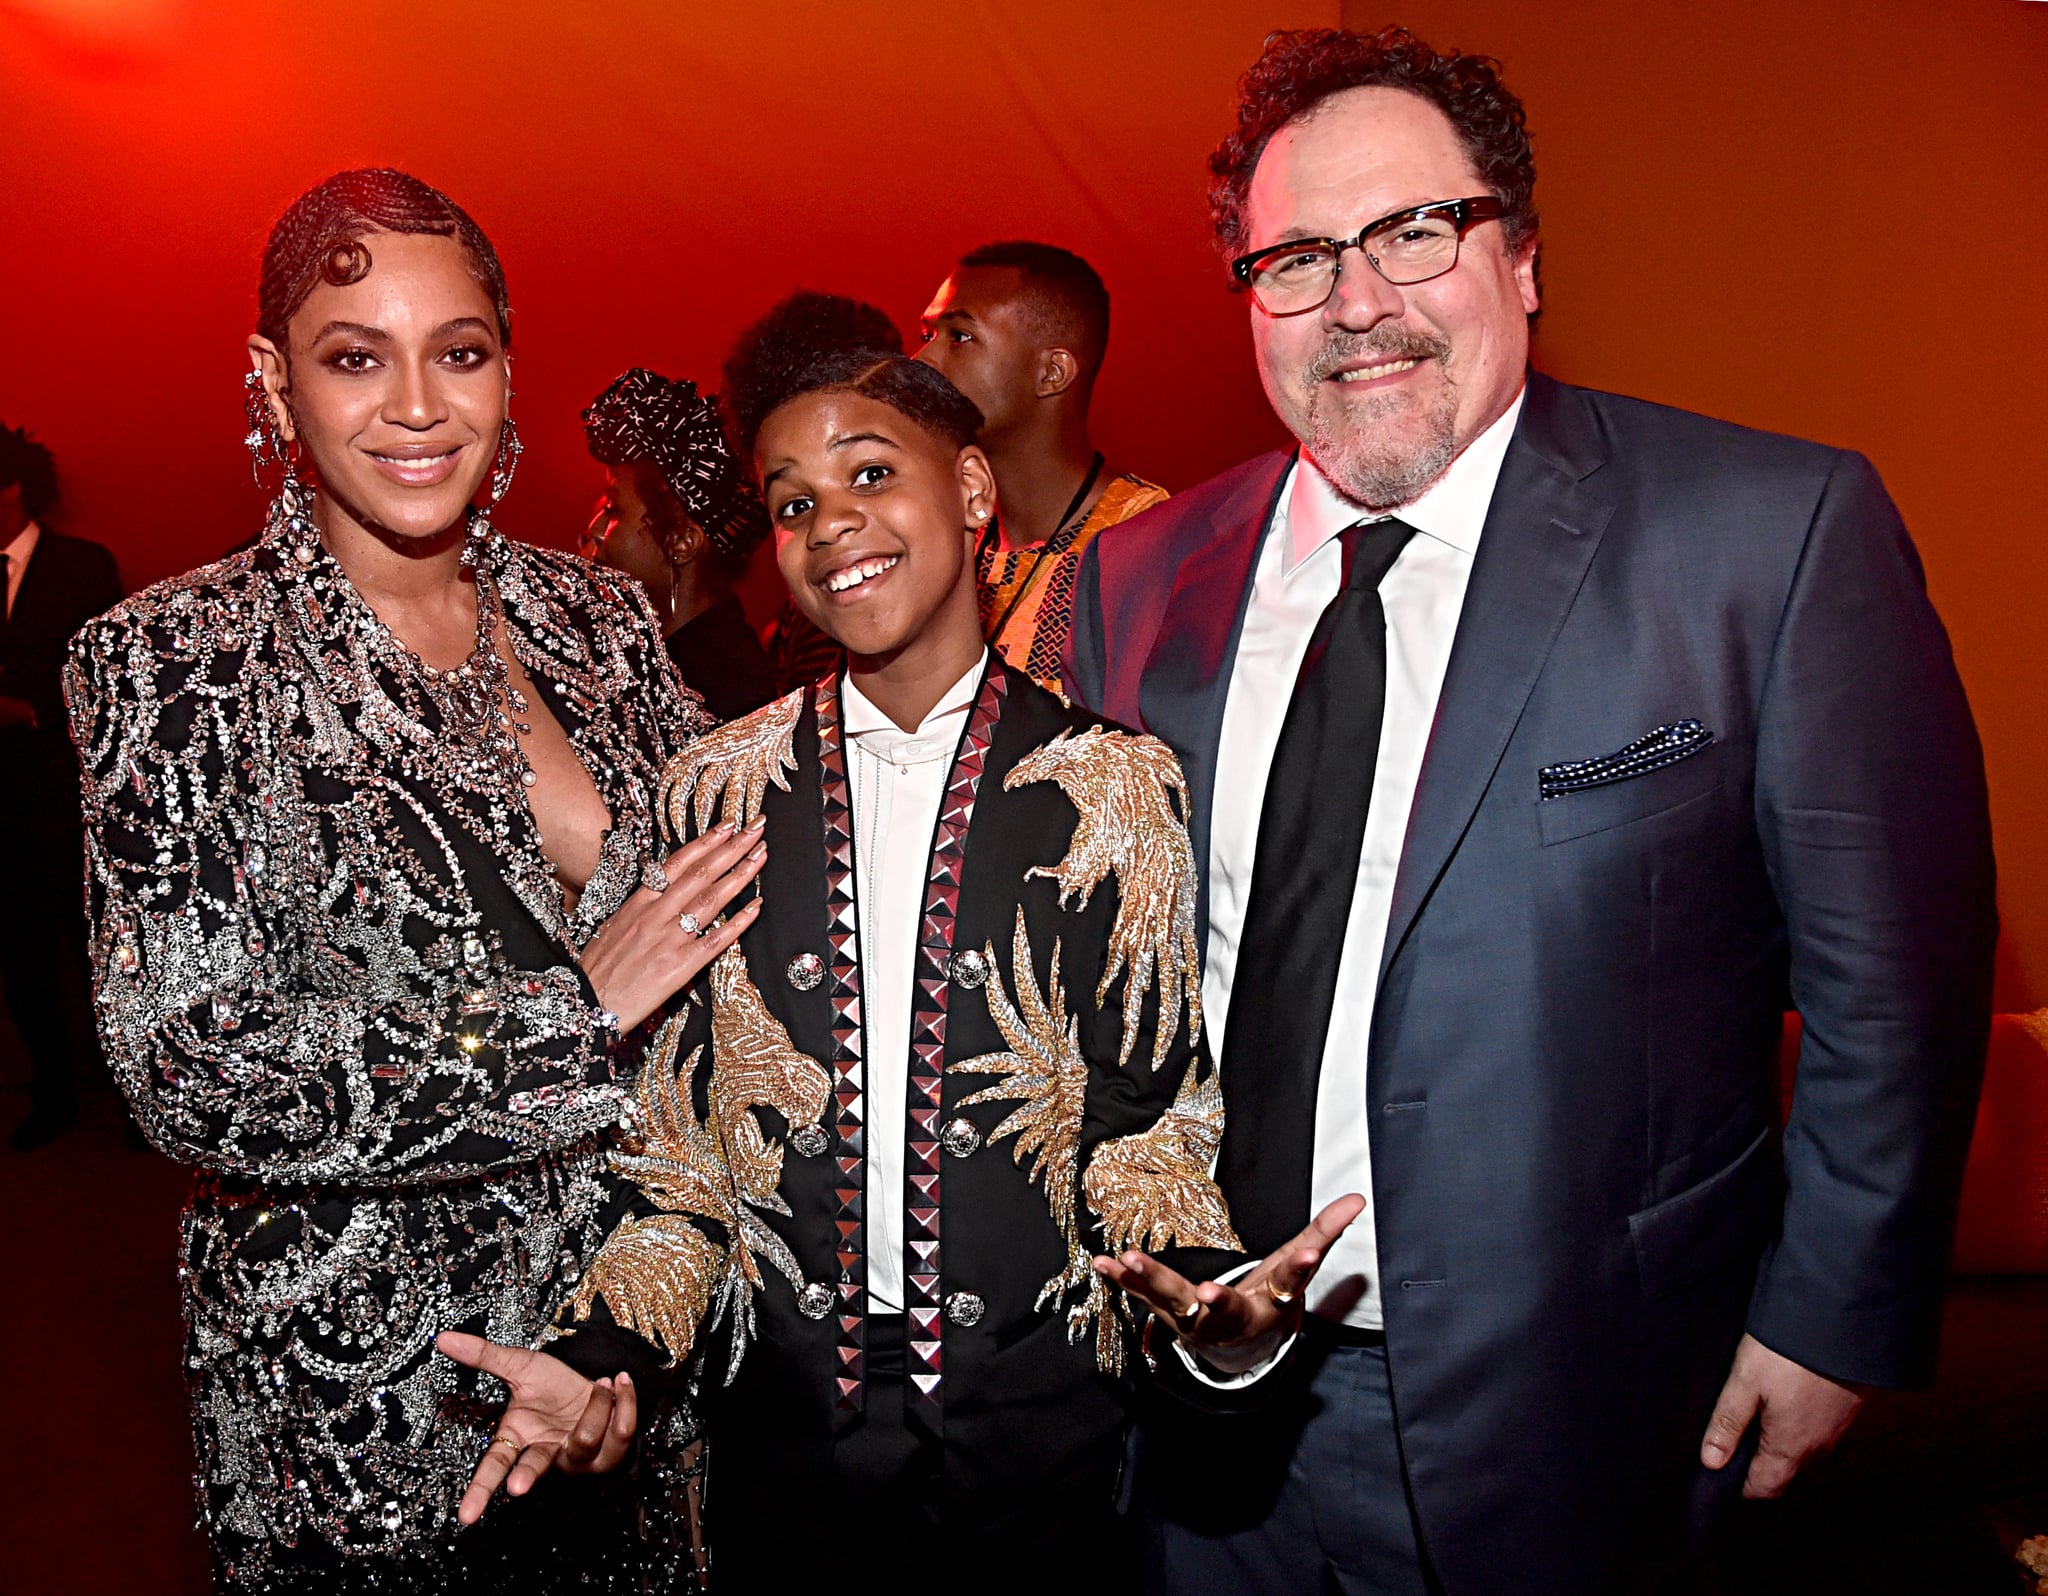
x: 1185, y: 1321
x: 1282, y: 1298
x: 505, y: 1440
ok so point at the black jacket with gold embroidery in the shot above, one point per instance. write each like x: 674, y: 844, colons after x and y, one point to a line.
x: 1060, y: 1100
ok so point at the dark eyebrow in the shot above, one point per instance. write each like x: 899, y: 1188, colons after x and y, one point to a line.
x: 952, y: 315
x: 845, y: 440
x: 849, y: 439
x: 447, y: 329
x: 375, y: 335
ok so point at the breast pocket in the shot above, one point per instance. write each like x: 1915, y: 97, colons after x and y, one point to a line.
x: 1621, y: 803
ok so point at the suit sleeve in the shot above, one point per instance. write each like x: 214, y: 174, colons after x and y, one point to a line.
x: 1871, y: 805
x: 1082, y: 661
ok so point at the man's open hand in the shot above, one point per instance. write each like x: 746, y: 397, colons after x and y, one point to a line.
x: 1239, y: 1326
x: 1804, y: 1414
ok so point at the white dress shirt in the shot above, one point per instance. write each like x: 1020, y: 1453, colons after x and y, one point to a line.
x: 18, y: 555
x: 898, y: 781
x: 1298, y: 572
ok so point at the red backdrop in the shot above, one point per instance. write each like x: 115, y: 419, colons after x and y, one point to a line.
x: 1826, y: 219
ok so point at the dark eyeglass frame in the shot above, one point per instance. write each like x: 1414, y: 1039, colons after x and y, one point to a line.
x: 1464, y: 213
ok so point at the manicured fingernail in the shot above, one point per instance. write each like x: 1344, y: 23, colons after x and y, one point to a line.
x: 625, y: 1379
x: 758, y: 823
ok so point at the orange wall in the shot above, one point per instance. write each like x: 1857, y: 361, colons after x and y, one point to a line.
x: 1744, y: 212
x: 1827, y: 218
x: 653, y: 174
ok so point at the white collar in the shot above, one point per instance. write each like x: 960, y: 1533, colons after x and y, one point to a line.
x: 24, y: 543
x: 860, y: 718
x: 1452, y: 510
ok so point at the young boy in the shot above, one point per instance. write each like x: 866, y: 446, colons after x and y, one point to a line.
x: 958, y: 1053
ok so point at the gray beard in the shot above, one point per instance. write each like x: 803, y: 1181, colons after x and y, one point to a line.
x: 1362, y: 464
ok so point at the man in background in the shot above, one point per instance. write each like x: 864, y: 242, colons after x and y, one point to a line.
x: 54, y: 585
x: 1021, y: 329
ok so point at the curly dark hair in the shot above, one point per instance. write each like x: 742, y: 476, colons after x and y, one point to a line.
x: 1299, y: 70
x: 818, y: 343
x: 29, y: 465
x: 320, y: 239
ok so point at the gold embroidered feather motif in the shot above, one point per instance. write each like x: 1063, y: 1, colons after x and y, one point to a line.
x: 652, y: 1275
x: 1046, y: 1076
x: 658, y: 1275
x: 1153, y: 1189
x: 725, y: 774
x: 755, y: 1065
x: 1124, y: 787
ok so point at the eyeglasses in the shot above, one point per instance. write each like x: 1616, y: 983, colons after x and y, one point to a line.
x: 1408, y: 247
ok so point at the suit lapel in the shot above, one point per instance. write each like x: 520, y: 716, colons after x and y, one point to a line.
x: 1545, y: 524
x: 1187, y: 675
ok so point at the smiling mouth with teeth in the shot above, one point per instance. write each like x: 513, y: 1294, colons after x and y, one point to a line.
x: 852, y: 577
x: 1369, y: 373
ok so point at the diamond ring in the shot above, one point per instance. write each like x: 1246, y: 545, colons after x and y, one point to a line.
x: 654, y: 875
x: 688, y: 922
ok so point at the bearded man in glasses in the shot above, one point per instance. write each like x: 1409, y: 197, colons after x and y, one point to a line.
x: 1545, y: 747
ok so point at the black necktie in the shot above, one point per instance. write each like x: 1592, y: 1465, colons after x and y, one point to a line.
x: 1304, y: 873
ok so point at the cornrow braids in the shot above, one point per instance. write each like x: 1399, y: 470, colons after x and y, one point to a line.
x: 814, y: 343
x: 646, y: 416
x: 321, y: 238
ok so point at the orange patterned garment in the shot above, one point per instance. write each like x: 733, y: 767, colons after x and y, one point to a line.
x: 1027, y: 595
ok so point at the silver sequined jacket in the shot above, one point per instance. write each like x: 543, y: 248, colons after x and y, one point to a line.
x: 334, y: 970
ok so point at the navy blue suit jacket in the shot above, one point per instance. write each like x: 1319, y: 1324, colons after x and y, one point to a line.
x: 1580, y: 1196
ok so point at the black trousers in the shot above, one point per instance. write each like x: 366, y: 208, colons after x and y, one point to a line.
x: 1307, y: 1498
x: 877, y: 1517
x: 42, y: 953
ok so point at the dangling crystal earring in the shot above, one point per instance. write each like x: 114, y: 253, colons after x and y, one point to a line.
x: 265, y: 447
x: 507, y: 463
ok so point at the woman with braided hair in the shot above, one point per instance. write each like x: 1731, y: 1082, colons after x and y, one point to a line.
x: 378, y: 909
x: 681, y: 517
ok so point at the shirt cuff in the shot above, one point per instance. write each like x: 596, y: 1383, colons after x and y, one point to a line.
x: 1249, y: 1377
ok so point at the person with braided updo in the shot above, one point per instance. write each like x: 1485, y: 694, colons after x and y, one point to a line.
x: 378, y: 908
x: 680, y: 517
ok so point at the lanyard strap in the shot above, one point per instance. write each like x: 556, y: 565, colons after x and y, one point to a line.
x: 1051, y: 547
